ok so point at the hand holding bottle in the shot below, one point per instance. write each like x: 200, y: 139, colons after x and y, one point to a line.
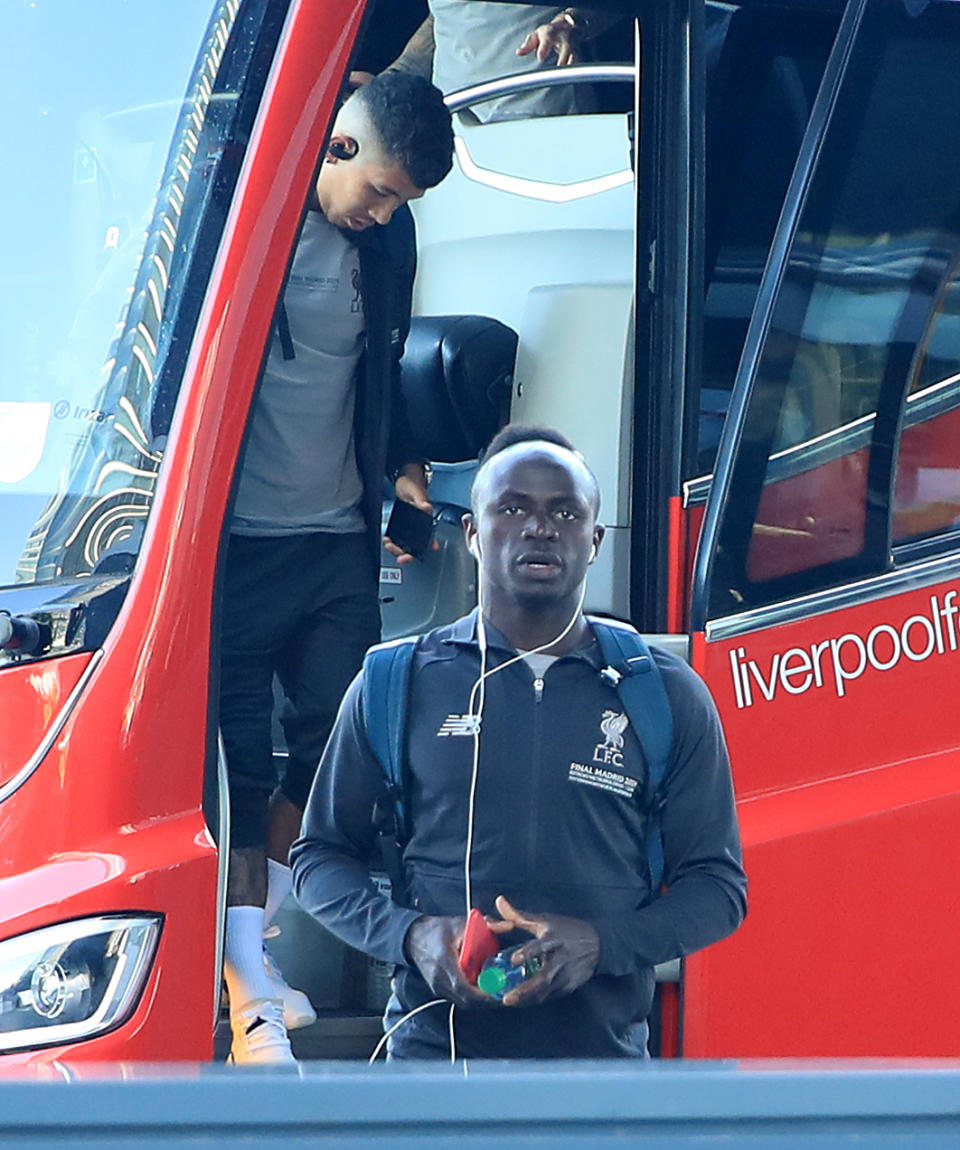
x: 567, y: 950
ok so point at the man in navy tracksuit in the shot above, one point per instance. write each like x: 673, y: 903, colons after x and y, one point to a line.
x: 557, y: 855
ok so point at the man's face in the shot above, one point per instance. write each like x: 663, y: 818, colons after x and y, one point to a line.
x: 359, y: 192
x: 536, y: 525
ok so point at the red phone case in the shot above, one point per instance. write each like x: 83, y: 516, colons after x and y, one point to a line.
x: 479, y: 944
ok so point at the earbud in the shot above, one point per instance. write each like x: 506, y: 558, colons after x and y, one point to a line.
x: 593, y: 553
x: 341, y: 151
x: 474, y: 547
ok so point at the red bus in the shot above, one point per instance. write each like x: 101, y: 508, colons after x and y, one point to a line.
x: 734, y: 284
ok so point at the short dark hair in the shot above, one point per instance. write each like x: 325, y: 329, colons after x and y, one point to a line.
x: 515, y: 433
x: 524, y: 433
x: 413, y: 124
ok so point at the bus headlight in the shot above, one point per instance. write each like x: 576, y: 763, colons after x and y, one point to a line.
x: 72, y: 981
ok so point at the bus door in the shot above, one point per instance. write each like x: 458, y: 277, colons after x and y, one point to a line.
x: 824, y: 604
x: 523, y: 305
x: 523, y: 310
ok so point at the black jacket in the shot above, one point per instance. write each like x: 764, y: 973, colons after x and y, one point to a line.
x: 544, y: 837
x: 384, y: 441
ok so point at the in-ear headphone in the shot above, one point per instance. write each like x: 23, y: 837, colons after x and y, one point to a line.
x: 341, y: 151
x: 474, y: 547
x: 593, y: 553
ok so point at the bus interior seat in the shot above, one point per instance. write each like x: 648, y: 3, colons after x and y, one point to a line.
x: 456, y: 375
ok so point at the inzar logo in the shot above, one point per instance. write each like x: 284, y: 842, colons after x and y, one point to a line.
x: 459, y: 725
x: 836, y: 662
x: 610, y: 750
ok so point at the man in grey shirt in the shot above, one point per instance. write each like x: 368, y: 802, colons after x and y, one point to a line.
x: 301, y: 575
x: 466, y: 42
x: 300, y: 471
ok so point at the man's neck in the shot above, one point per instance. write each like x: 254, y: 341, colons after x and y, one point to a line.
x: 527, y: 630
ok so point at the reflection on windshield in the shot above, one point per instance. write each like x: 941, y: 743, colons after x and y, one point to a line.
x: 93, y: 219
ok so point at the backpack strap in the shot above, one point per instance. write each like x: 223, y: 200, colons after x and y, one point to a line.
x: 631, y: 667
x: 385, y: 692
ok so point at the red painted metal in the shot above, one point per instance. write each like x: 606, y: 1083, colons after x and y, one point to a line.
x: 676, y: 547
x: 670, y: 1045
x: 123, y: 783
x: 35, y: 694
x: 692, y: 524
x: 849, y: 799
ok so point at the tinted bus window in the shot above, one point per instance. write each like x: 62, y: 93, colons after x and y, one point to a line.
x: 763, y: 70
x: 926, y: 497
x: 124, y: 153
x: 864, y: 313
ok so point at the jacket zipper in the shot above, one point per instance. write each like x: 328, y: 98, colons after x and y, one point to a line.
x: 534, y: 843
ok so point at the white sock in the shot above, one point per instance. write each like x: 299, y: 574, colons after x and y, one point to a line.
x: 279, y: 885
x: 243, y: 968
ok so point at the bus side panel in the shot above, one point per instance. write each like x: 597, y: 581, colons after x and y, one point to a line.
x: 846, y: 761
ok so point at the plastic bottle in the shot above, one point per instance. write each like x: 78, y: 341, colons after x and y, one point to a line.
x: 498, y: 975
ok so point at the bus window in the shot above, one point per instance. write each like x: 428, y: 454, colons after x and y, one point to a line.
x: 926, y: 497
x: 763, y: 70
x: 867, y: 294
x: 111, y: 233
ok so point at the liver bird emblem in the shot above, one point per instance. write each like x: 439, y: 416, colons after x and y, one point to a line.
x: 613, y: 726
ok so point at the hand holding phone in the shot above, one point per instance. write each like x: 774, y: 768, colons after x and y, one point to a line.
x: 410, y: 528
x: 479, y: 944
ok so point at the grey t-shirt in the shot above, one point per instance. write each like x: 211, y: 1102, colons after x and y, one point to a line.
x: 475, y: 41
x: 300, y: 470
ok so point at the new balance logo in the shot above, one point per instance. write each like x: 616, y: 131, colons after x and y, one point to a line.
x: 459, y: 725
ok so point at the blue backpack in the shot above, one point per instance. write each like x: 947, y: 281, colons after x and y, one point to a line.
x: 630, y: 666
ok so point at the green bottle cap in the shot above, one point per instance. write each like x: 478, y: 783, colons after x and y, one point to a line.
x: 492, y: 980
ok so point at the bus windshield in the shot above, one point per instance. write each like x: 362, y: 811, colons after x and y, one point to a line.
x: 104, y: 111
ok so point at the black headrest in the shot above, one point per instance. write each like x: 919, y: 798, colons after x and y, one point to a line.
x: 457, y: 376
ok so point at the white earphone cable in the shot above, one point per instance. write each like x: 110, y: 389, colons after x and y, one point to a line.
x: 477, y: 716
x: 401, y: 1021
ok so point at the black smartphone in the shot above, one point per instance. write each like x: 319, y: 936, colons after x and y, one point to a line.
x: 410, y: 528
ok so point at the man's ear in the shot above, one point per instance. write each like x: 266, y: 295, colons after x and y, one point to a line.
x: 598, y: 533
x: 470, y: 534
x: 342, y: 147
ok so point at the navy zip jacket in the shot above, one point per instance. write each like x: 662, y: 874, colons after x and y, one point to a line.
x: 556, y: 830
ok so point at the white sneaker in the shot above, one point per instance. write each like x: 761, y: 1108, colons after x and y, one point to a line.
x: 297, y: 1008
x: 259, y: 1036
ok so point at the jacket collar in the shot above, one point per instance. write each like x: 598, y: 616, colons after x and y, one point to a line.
x: 463, y: 633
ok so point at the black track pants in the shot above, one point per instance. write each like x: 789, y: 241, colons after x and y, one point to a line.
x: 304, y: 607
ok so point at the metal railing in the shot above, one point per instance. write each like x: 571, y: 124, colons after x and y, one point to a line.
x: 507, y: 1105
